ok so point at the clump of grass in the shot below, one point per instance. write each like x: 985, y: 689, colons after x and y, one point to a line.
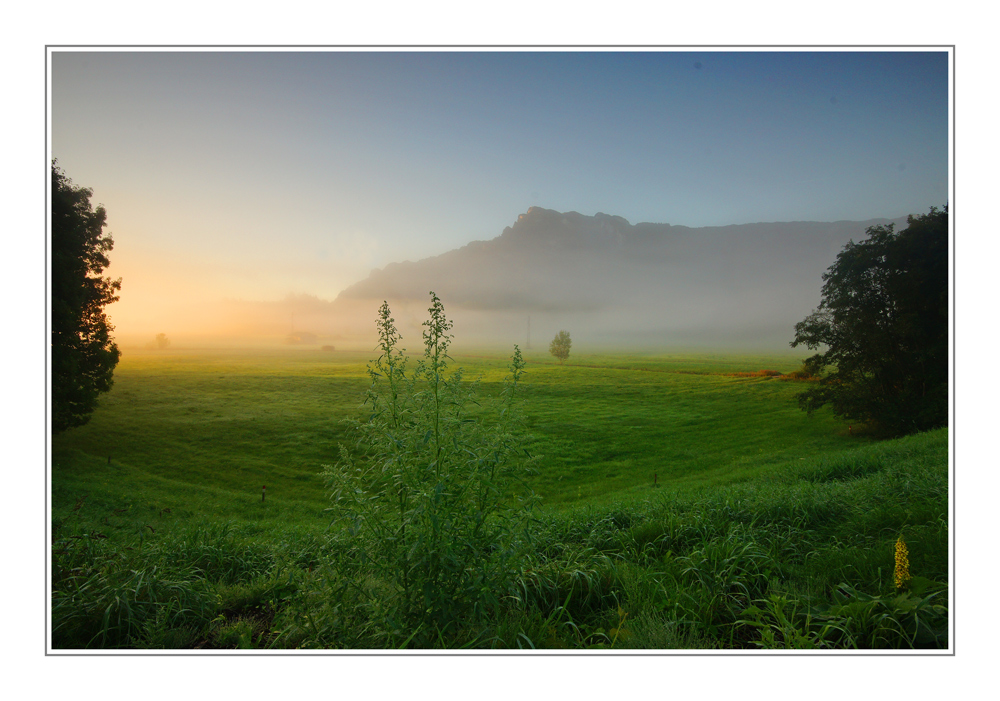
x: 238, y: 634
x: 112, y: 606
x: 221, y: 555
x: 579, y: 581
x: 163, y: 591
x: 853, y: 619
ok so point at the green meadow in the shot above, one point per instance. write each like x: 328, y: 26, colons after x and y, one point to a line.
x: 684, y: 502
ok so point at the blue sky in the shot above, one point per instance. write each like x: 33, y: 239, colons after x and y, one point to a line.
x: 257, y: 175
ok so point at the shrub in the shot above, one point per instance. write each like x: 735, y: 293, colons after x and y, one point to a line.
x: 431, y: 501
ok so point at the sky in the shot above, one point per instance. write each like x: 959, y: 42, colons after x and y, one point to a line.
x: 258, y: 175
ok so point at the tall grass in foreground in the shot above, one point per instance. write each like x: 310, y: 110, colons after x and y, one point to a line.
x: 800, y: 556
x: 432, y: 516
x: 800, y: 559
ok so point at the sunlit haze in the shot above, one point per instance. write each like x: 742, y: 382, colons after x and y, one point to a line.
x: 237, y: 183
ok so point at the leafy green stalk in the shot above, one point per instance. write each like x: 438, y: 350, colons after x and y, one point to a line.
x: 428, y: 499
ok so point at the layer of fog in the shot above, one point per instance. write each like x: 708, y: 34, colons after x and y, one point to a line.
x: 612, y: 285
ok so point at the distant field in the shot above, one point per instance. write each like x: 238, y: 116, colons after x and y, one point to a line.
x: 177, y: 453
x: 208, y: 429
x: 605, y: 424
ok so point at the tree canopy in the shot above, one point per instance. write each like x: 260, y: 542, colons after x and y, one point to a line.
x: 84, y: 355
x: 883, y: 320
x: 560, y: 346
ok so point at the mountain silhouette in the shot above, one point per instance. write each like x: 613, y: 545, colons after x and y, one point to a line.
x: 612, y: 282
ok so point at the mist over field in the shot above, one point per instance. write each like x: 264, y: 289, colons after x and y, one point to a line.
x: 610, y: 283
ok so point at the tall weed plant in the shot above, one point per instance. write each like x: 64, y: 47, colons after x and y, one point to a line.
x: 433, y: 510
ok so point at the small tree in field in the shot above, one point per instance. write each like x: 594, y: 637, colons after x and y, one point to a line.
x: 560, y: 346
x: 161, y: 342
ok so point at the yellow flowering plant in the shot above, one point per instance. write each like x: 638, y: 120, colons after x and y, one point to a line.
x: 901, y: 576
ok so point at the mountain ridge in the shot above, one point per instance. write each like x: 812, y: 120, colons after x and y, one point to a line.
x: 609, y: 281
x: 543, y: 242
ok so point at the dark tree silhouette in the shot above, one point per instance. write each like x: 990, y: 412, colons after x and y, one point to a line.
x: 84, y: 355
x: 883, y: 319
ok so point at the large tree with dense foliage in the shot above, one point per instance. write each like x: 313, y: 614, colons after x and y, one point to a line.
x: 84, y: 355
x: 883, y: 320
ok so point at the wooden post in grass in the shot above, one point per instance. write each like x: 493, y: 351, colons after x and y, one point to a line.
x: 654, y: 479
x: 263, y: 492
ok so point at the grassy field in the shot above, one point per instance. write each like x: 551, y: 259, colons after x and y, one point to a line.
x: 764, y: 528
